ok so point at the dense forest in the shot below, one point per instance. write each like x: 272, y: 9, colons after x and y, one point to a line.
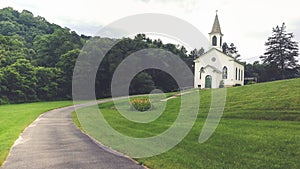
x: 37, y: 59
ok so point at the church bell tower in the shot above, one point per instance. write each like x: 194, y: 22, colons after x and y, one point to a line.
x: 216, y: 35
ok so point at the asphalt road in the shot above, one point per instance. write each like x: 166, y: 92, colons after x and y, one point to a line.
x: 53, y: 141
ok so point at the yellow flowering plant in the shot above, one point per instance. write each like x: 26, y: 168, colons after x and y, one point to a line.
x: 140, y: 104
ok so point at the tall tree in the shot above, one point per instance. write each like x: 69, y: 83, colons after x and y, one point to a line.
x: 234, y: 52
x: 231, y: 50
x: 281, y: 53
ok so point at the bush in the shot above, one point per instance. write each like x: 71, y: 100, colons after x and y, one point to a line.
x: 4, y: 100
x: 221, y: 85
x: 140, y: 104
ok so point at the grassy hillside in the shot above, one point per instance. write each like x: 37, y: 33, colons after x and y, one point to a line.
x: 15, y: 118
x: 279, y: 100
x: 259, y: 129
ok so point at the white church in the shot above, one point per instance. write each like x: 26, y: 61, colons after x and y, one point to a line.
x: 214, y: 69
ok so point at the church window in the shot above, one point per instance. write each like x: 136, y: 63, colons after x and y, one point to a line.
x: 224, y: 72
x: 201, y: 71
x: 236, y: 74
x: 242, y: 73
x: 214, y: 41
x: 213, y: 59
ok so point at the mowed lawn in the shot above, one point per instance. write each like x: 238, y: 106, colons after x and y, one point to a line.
x: 15, y: 118
x: 260, y: 128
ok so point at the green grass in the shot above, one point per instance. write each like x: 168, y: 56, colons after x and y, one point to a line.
x: 76, y: 121
x: 260, y: 128
x: 15, y: 118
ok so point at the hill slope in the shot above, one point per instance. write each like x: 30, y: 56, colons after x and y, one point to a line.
x: 259, y: 129
x: 278, y: 100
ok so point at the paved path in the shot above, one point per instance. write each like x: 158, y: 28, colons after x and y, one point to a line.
x: 53, y: 141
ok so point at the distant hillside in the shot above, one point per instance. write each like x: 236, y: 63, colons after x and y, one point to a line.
x: 24, y: 36
x: 37, y: 59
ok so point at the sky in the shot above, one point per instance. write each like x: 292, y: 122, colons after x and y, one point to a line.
x: 246, y: 23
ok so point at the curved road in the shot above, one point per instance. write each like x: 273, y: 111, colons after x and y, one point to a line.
x: 53, y: 141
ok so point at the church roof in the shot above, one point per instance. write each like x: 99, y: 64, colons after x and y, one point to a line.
x: 219, y: 51
x: 216, y: 27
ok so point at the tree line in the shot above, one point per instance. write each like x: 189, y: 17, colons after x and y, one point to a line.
x: 37, y: 59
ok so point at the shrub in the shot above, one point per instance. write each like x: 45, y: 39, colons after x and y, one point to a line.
x: 140, y: 104
x: 221, y: 84
x: 4, y: 100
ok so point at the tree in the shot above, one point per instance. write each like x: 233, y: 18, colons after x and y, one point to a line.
x: 281, y: 52
x: 66, y: 64
x: 196, y: 53
x: 49, y: 48
x: 47, y: 85
x: 234, y: 52
x: 231, y: 51
x: 20, y: 81
x: 225, y: 48
x: 257, y: 71
x: 141, y: 84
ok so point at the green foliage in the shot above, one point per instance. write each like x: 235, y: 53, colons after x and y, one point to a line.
x: 140, y: 104
x: 142, y: 83
x: 47, y: 85
x: 50, y: 47
x: 37, y: 60
x: 30, y: 49
x: 19, y: 81
x: 66, y: 65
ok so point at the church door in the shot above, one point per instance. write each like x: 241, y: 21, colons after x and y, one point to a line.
x: 208, y: 81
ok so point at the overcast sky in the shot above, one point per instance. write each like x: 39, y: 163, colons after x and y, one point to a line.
x: 246, y: 23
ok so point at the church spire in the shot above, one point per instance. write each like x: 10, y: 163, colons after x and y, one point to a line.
x: 216, y: 27
x: 216, y: 34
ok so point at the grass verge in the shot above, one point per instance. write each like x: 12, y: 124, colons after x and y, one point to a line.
x: 15, y: 118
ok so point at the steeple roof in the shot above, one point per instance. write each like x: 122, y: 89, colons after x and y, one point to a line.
x: 216, y: 29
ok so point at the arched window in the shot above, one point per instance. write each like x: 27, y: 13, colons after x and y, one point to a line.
x: 236, y: 74
x: 214, y: 41
x: 201, y: 71
x: 239, y: 74
x: 224, y: 76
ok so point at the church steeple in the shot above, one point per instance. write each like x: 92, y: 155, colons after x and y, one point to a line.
x: 216, y: 34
